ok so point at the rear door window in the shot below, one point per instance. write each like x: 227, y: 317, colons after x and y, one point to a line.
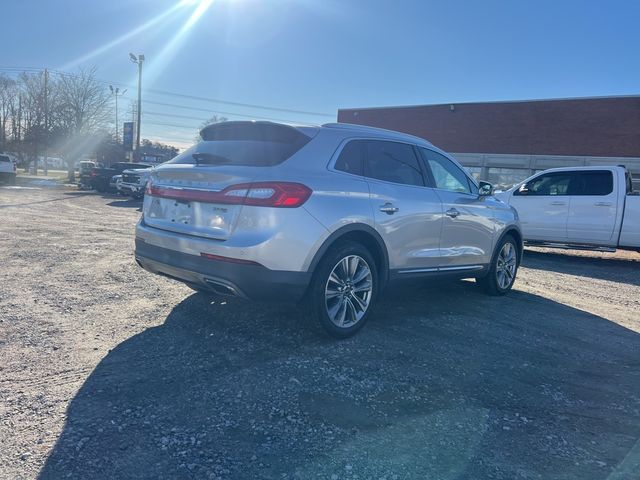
x: 392, y: 162
x: 594, y: 182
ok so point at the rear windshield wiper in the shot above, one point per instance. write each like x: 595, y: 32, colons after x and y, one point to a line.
x: 209, y: 158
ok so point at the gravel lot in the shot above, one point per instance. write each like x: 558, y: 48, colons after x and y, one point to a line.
x: 107, y: 371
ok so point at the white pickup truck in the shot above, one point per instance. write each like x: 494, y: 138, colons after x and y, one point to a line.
x: 7, y: 169
x: 591, y: 208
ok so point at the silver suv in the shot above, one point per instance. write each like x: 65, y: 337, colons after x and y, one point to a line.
x: 327, y: 214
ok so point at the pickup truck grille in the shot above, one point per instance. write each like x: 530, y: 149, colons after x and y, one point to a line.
x: 130, y: 178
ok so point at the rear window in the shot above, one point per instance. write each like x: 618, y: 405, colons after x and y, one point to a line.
x: 4, y: 158
x: 251, y: 144
x: 595, y: 182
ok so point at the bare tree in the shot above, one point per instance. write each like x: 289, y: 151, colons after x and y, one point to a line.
x: 8, y: 91
x: 32, y: 87
x: 83, y: 114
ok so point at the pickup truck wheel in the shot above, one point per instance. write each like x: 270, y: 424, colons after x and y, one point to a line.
x: 503, y: 270
x: 344, y: 289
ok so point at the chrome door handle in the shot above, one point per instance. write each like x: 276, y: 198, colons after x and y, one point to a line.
x: 388, y: 208
x: 452, y: 212
x: 558, y: 203
x: 602, y: 204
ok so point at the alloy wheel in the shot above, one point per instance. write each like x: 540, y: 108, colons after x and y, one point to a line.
x: 506, y: 265
x: 348, y: 291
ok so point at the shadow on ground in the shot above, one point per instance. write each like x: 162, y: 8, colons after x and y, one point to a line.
x: 444, y: 383
x: 126, y: 203
x: 623, y: 270
x: 116, y: 199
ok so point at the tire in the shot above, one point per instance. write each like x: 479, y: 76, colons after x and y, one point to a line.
x: 344, y: 289
x: 504, y: 268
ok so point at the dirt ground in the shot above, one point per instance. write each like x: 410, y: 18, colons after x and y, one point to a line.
x: 107, y: 371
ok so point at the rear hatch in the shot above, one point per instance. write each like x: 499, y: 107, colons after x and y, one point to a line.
x: 201, y: 192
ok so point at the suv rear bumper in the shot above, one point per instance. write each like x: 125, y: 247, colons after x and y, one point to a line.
x: 253, y: 282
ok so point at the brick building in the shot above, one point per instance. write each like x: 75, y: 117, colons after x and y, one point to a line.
x: 504, y: 142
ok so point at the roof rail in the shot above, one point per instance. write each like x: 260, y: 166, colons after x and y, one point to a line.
x: 367, y: 128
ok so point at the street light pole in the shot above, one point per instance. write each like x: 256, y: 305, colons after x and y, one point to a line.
x: 115, y: 93
x: 138, y: 60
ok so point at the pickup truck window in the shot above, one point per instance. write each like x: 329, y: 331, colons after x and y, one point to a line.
x: 556, y: 183
x: 629, y: 182
x: 578, y: 183
x: 591, y: 182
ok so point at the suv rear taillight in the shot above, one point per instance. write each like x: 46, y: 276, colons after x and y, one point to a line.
x: 259, y: 194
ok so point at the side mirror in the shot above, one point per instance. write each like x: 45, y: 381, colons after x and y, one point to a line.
x: 485, y: 189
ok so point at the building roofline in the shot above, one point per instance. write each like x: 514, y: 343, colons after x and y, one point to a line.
x: 491, y: 102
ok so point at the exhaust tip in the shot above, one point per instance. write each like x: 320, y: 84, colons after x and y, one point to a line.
x: 221, y: 288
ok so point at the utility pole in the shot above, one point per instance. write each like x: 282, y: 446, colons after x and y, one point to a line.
x: 46, y: 122
x: 138, y: 60
x: 114, y: 92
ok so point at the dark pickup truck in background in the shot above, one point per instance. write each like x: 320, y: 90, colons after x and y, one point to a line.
x: 101, y: 177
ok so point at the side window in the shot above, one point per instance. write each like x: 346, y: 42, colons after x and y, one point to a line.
x: 446, y: 174
x: 550, y: 184
x: 595, y: 182
x: 350, y: 159
x: 392, y: 162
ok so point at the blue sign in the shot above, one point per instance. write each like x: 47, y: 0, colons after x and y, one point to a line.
x: 127, y: 136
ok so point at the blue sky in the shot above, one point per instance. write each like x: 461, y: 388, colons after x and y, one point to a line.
x: 320, y: 55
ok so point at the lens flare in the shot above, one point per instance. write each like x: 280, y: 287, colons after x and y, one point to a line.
x: 168, y: 52
x: 123, y: 38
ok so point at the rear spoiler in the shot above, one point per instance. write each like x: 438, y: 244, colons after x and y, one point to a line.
x: 254, y: 131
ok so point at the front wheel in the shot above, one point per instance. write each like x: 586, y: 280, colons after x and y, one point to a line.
x: 503, y: 269
x: 344, y: 289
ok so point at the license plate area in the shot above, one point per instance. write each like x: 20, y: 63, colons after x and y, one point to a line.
x: 195, y: 218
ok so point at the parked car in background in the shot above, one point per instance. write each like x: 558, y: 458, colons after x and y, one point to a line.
x: 8, y: 169
x: 115, y: 182
x: 134, y: 182
x: 84, y: 172
x: 331, y: 214
x: 578, y: 207
x: 101, y: 177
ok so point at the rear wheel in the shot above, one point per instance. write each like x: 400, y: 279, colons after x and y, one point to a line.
x: 344, y: 289
x: 503, y: 270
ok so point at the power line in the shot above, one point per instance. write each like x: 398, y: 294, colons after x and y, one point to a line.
x: 238, y: 104
x: 173, y: 125
x: 193, y: 97
x: 216, y: 112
